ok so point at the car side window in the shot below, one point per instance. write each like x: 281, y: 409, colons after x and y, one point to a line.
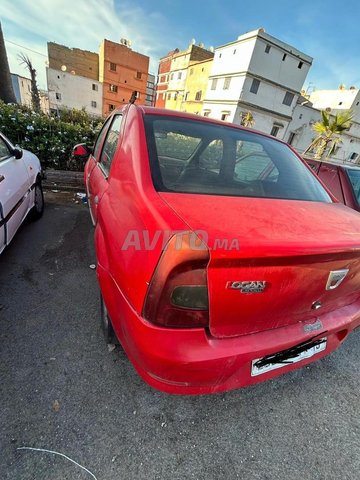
x: 110, y: 144
x: 4, y: 150
x: 100, y: 139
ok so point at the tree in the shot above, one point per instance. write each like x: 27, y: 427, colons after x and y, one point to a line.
x: 35, y: 96
x: 6, y: 88
x: 329, y: 130
x: 247, y: 119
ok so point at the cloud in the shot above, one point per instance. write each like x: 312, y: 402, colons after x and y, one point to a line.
x: 82, y: 24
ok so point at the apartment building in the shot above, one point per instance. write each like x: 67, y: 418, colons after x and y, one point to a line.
x: 260, y: 73
x: 98, y: 83
x: 122, y: 71
x: 195, y: 86
x: 22, y: 89
x: 163, y: 78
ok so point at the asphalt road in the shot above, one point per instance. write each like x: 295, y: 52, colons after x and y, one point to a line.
x: 62, y: 390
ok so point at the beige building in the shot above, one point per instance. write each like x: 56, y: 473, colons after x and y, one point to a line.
x: 175, y: 94
x: 195, y: 86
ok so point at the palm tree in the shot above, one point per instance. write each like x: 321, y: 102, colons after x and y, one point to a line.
x: 247, y: 119
x: 6, y: 89
x: 329, y: 130
x: 35, y: 96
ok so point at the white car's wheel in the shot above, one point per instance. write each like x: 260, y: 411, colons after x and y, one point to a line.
x: 38, y: 208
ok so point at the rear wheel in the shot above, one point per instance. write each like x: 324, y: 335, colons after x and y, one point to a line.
x: 106, y: 325
x: 38, y: 209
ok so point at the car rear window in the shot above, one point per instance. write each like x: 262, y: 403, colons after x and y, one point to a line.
x: 191, y: 156
x: 354, y: 176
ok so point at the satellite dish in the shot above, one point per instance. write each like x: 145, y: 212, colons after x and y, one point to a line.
x: 63, y: 68
x: 193, y: 41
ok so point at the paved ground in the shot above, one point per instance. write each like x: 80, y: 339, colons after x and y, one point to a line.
x: 62, y: 390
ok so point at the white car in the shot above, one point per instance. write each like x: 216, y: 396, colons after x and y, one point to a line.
x: 20, y: 189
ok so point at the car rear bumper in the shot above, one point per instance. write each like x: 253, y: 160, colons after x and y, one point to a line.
x: 190, y: 361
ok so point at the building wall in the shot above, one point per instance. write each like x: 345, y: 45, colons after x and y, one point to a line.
x: 82, y: 62
x: 74, y: 91
x: 130, y: 74
x: 22, y: 89
x: 196, y: 81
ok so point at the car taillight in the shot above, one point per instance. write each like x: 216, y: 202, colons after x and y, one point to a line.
x: 178, y: 295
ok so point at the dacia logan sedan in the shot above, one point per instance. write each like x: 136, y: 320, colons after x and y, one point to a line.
x: 222, y: 260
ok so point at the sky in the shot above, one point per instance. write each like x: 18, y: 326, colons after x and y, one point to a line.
x: 327, y: 31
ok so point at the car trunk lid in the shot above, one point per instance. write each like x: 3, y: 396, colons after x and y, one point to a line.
x: 286, y: 249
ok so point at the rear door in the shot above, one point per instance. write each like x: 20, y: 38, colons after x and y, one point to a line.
x: 14, y: 193
x: 329, y: 174
x: 98, y: 179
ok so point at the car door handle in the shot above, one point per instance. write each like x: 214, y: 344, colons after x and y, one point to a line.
x: 2, y: 178
x: 96, y: 199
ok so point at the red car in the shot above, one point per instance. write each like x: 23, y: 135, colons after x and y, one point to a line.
x: 342, y: 180
x: 222, y: 260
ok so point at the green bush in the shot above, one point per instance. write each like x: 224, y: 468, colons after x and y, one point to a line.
x: 50, y: 138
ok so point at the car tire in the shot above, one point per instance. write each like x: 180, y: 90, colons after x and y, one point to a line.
x: 106, y: 325
x: 38, y: 209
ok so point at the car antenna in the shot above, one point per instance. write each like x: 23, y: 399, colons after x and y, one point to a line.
x: 133, y: 97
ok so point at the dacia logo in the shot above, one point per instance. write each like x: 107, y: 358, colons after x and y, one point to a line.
x: 251, y: 286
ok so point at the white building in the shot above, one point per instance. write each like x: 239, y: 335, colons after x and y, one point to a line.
x: 260, y: 73
x: 74, y: 91
x: 22, y: 89
x: 150, y: 90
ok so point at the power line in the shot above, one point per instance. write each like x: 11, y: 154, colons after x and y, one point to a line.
x: 26, y: 48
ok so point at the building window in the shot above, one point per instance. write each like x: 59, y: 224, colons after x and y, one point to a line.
x: 357, y: 103
x: 353, y: 156
x: 169, y: 96
x: 172, y: 77
x: 291, y: 138
x: 138, y: 75
x: 207, y: 113
x: 220, y: 55
x: 186, y: 96
x: 93, y: 104
x: 234, y: 51
x: 267, y: 49
x: 300, y: 64
x: 227, y: 81
x: 275, y: 130
x: 113, y: 67
x: 162, y: 79
x: 179, y: 75
x: 289, y: 97
x: 224, y: 116
x: 111, y: 107
x: 191, y: 71
x: 214, y: 83
x: 113, y: 88
x: 95, y: 87
x: 198, y: 95
x: 340, y: 103
x: 58, y: 96
x: 284, y: 56
x: 255, y: 86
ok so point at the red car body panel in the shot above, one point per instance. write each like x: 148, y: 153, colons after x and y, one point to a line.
x: 282, y: 246
x: 336, y: 179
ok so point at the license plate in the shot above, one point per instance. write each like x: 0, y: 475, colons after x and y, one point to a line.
x: 311, y: 351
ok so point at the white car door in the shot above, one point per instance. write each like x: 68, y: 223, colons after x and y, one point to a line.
x: 14, y: 193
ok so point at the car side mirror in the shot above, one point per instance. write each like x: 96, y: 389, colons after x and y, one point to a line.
x: 17, y: 152
x: 82, y: 150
